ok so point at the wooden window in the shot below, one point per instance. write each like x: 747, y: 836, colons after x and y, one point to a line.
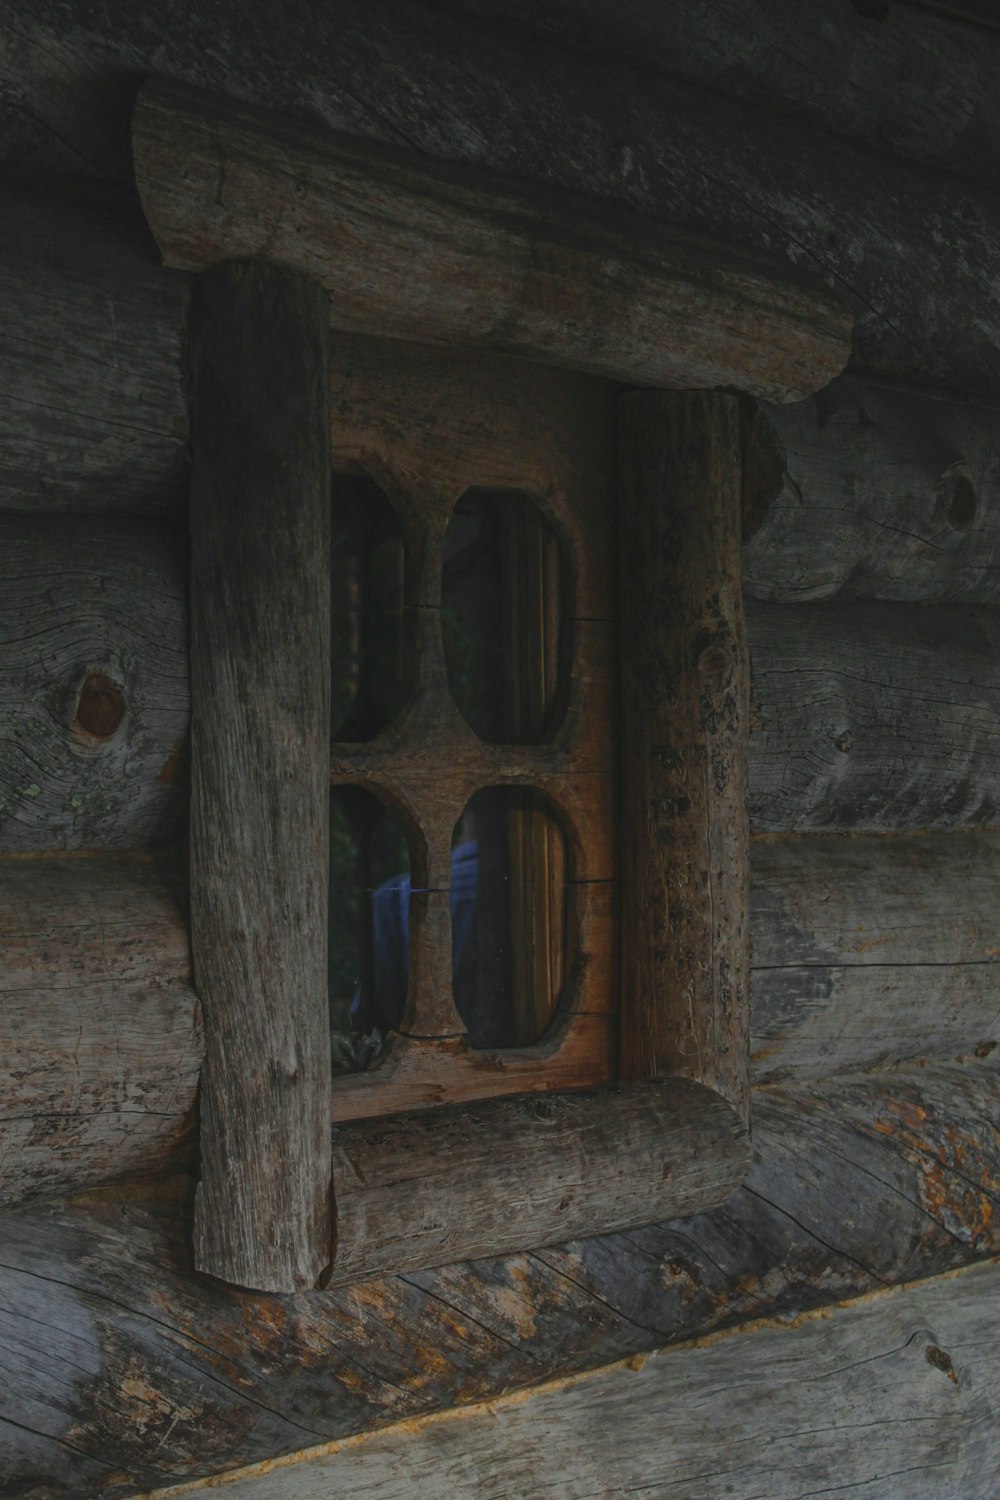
x: 297, y: 230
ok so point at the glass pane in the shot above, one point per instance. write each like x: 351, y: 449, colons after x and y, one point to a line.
x: 508, y: 917
x: 369, y: 925
x: 502, y: 594
x: 369, y: 636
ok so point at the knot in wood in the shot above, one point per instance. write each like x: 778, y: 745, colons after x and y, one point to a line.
x: 100, y: 708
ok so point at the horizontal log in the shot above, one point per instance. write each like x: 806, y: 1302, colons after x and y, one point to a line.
x: 410, y: 248
x: 912, y: 248
x: 147, y: 1376
x: 866, y: 950
x: 499, y: 1175
x: 899, y: 1399
x: 889, y: 78
x: 873, y: 717
x: 99, y: 1029
x: 885, y: 494
x: 870, y: 950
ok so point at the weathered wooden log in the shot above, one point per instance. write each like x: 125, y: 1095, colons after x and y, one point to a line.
x: 872, y: 716
x: 93, y: 416
x: 93, y: 683
x: 911, y: 248
x: 100, y: 1031
x: 870, y: 950
x: 892, y: 79
x: 499, y: 1175
x: 908, y: 1400
x: 885, y: 494
x: 149, y: 1376
x: 410, y: 248
x: 684, y: 684
x: 260, y: 728
x: 866, y: 950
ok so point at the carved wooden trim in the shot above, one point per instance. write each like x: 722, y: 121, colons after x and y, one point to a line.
x: 413, y: 248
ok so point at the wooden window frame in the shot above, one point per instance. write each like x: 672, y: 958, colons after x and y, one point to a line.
x: 294, y: 228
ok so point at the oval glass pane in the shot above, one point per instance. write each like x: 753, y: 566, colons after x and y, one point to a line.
x: 370, y: 641
x: 508, y: 917
x: 368, y: 954
x: 502, y: 607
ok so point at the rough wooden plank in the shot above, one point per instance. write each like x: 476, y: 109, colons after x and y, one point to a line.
x: 870, y: 950
x: 911, y: 248
x: 99, y: 1029
x: 684, y: 684
x: 148, y: 1375
x: 503, y: 1174
x: 408, y: 248
x: 260, y: 670
x: 885, y: 494
x: 93, y: 683
x: 876, y: 717
x: 908, y: 1386
x: 92, y: 412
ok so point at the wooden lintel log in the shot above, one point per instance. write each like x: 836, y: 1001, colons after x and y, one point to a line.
x: 260, y: 731
x: 907, y: 1385
x: 684, y: 684
x: 502, y: 1175
x: 409, y: 247
x: 871, y: 950
x: 879, y: 493
x: 148, y: 1376
x: 875, y: 717
x: 93, y: 683
x: 100, y: 1032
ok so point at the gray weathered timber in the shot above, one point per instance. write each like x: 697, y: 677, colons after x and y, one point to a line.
x: 893, y: 79
x: 92, y: 412
x: 875, y: 717
x: 907, y: 1383
x: 100, y: 1032
x: 435, y: 1186
x: 684, y: 692
x: 911, y: 248
x: 148, y: 1376
x: 260, y: 731
x: 886, y: 494
x: 871, y: 950
x: 410, y: 248
x: 93, y: 682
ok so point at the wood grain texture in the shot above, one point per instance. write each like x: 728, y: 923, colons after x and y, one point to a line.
x: 910, y: 247
x: 884, y: 494
x: 873, y: 950
x: 148, y: 1376
x: 907, y: 1383
x: 684, y: 690
x: 889, y: 79
x: 100, y: 1031
x: 499, y: 1175
x: 874, y: 717
x: 86, y: 598
x: 260, y: 670
x: 409, y: 248
x: 93, y: 416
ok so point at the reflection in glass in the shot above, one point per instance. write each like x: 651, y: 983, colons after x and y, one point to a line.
x: 502, y: 607
x: 368, y: 636
x: 369, y: 923
x: 508, y: 917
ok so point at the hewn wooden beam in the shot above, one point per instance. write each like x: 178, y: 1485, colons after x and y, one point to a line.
x: 411, y: 248
x: 157, y: 1376
x: 260, y: 731
x: 906, y: 1382
x: 684, y: 686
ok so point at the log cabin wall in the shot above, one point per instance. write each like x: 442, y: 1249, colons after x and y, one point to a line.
x: 862, y: 144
